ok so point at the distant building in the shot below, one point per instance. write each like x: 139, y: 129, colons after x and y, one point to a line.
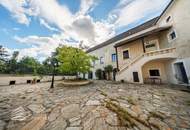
x: 156, y: 51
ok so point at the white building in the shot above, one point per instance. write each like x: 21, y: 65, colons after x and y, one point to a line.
x: 157, y: 51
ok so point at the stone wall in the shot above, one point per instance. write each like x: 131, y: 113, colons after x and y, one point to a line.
x: 5, y: 79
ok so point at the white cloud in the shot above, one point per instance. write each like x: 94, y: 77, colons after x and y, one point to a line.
x: 51, y: 11
x: 87, y: 6
x: 16, y: 7
x: 130, y: 11
x: 78, y: 27
x: 45, y: 24
x: 41, y: 46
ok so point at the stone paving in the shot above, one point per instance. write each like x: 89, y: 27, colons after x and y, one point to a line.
x: 102, y: 105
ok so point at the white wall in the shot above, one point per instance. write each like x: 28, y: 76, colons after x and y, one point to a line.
x: 105, y: 52
x: 5, y: 79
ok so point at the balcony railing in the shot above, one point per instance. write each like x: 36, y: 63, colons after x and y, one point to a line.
x: 148, y: 54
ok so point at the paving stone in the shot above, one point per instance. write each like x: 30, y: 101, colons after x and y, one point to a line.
x: 132, y: 113
x: 2, y: 125
x: 58, y: 124
x: 70, y: 111
x: 100, y: 124
x: 37, y: 123
x: 124, y: 105
x: 136, y: 109
x: 76, y: 121
x: 93, y: 103
x: 36, y: 108
x: 89, y: 121
x: 112, y: 119
x: 159, y: 124
x: 54, y: 114
x: 20, y: 114
x: 74, y: 128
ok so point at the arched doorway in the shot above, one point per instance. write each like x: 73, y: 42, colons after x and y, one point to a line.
x: 157, y: 71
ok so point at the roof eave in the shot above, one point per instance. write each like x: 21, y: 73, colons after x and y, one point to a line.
x: 155, y: 30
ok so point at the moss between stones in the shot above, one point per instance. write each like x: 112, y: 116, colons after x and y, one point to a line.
x: 126, y: 119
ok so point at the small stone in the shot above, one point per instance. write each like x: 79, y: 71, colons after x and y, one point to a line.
x: 93, y: 103
x: 136, y: 109
x: 132, y: 113
x: 143, y: 117
x: 112, y: 119
x: 74, y: 128
x: 124, y: 105
x: 76, y: 121
x: 30, y: 91
x: 120, y: 90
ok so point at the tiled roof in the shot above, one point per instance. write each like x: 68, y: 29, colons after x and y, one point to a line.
x: 132, y: 31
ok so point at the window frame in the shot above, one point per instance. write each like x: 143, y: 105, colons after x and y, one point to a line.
x: 159, y: 70
x: 115, y: 58
x: 101, y: 60
x: 169, y: 35
x: 128, y: 54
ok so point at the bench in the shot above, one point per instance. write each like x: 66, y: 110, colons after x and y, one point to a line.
x: 38, y: 81
x: 28, y: 81
x: 153, y: 80
x: 12, y: 82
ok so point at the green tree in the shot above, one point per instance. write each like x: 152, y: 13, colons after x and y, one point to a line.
x: 98, y: 74
x: 12, y: 65
x: 3, y: 59
x: 108, y: 69
x: 3, y: 54
x: 74, y: 60
x: 29, y: 65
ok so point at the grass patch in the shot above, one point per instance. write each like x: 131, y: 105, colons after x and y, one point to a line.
x: 125, y: 118
x: 102, y: 93
x: 132, y: 101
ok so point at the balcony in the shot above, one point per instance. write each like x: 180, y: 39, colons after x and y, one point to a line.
x: 148, y: 56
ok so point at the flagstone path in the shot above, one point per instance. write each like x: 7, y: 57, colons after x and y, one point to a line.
x: 102, y: 105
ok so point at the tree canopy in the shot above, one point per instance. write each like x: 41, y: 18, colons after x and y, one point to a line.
x: 74, y: 60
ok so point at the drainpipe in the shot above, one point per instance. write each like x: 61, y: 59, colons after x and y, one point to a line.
x: 143, y: 45
x: 117, y: 59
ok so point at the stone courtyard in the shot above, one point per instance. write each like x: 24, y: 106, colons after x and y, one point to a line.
x: 101, y: 105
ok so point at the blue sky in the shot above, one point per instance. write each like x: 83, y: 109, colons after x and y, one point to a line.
x: 37, y: 27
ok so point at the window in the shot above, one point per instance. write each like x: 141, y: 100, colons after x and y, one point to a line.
x: 113, y: 57
x: 168, y: 19
x: 126, y: 54
x: 172, y: 35
x: 150, y: 45
x: 154, y: 72
x: 101, y: 60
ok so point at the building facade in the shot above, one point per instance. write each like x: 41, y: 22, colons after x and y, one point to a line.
x: 157, y: 51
